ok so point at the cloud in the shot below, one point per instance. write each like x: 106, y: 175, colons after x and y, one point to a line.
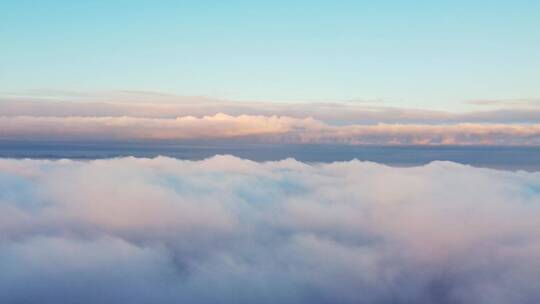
x: 234, y: 231
x: 263, y: 129
x: 188, y: 127
x: 523, y: 102
x: 132, y: 115
x: 158, y: 105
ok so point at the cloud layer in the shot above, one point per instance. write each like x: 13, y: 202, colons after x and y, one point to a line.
x: 128, y: 116
x: 234, y: 231
x: 146, y: 105
x: 263, y: 129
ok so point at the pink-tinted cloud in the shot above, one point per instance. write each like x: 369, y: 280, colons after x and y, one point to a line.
x: 170, y: 231
x: 265, y: 129
x: 154, y: 105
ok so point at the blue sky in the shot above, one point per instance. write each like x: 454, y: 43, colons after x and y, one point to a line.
x: 410, y: 53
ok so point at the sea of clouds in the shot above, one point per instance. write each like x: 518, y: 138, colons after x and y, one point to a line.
x: 228, y: 230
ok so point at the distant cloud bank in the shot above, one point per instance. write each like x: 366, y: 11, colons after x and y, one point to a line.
x: 159, y: 106
x: 229, y: 230
x: 263, y: 129
x: 152, y: 116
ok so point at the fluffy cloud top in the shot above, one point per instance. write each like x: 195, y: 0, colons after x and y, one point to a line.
x: 267, y: 129
x: 229, y: 230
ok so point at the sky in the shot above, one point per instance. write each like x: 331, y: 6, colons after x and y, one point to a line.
x: 421, y: 54
x: 93, y: 93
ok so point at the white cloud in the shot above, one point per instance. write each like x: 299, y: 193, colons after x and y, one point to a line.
x: 155, y: 105
x: 235, y: 231
x: 129, y: 115
x: 267, y: 129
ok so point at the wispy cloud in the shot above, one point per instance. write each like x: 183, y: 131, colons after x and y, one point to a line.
x: 523, y: 102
